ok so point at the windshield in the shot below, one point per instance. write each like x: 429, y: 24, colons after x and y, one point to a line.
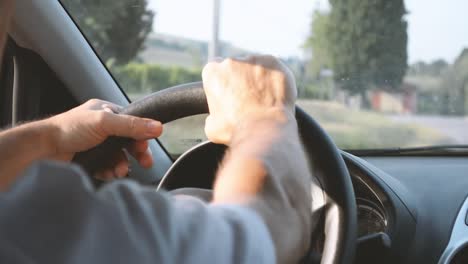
x: 374, y: 73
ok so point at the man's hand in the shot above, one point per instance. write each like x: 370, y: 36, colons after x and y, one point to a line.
x: 60, y: 137
x: 90, y: 124
x: 240, y: 90
x: 251, y: 106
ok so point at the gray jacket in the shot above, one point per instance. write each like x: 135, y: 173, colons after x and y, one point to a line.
x: 52, y: 214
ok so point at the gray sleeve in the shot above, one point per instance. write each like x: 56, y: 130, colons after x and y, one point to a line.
x: 53, y: 215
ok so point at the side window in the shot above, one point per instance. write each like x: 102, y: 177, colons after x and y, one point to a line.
x: 126, y: 34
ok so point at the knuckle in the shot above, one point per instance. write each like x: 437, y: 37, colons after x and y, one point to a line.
x: 132, y: 124
x: 101, y: 117
x: 228, y: 62
x: 260, y: 69
x: 208, y: 69
x: 271, y: 60
x: 89, y: 102
x: 93, y: 101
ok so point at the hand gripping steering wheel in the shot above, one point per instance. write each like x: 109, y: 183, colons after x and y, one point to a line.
x: 336, y: 191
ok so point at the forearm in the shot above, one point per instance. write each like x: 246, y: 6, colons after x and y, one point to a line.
x: 22, y: 145
x: 261, y: 161
x: 263, y: 145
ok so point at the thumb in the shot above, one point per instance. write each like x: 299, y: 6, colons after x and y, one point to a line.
x: 130, y: 126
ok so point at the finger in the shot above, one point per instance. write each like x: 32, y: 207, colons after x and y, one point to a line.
x: 140, y: 151
x: 210, y: 69
x: 94, y: 104
x: 116, y: 168
x: 105, y: 175
x: 129, y: 126
x: 216, y: 133
x: 145, y: 159
x: 121, y: 165
x: 112, y: 107
x: 107, y: 109
x: 99, y: 175
x: 137, y: 147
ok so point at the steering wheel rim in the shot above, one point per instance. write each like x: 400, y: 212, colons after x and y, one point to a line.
x: 189, y: 99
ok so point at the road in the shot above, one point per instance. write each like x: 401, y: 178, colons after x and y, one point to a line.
x: 453, y: 127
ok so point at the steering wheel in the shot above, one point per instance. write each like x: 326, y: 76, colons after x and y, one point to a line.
x: 338, y: 207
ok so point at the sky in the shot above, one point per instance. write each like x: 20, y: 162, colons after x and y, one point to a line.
x: 436, y: 28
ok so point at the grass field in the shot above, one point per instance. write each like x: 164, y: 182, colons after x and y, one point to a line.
x: 351, y: 129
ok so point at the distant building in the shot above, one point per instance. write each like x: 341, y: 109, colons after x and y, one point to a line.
x: 403, y: 102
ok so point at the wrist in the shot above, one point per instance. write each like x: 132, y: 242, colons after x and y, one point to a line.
x: 253, y: 139
x: 274, y: 114
x: 45, y: 133
x: 263, y: 123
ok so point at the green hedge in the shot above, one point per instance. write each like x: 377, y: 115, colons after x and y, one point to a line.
x: 141, y: 78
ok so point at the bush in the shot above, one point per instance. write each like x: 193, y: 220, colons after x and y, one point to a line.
x: 316, y: 89
x: 139, y: 78
x: 433, y: 103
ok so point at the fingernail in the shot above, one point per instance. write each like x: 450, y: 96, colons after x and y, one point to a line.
x: 153, y: 126
x: 107, y: 109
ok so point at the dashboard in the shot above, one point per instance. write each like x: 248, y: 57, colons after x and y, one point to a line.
x: 424, y: 205
x: 408, y: 207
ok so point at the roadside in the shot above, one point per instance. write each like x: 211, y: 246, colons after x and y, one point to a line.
x: 358, y: 129
x: 454, y: 127
x: 349, y: 128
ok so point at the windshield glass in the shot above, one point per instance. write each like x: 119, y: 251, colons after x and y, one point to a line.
x: 374, y: 73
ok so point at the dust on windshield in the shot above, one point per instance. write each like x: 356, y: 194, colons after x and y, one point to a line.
x: 374, y: 73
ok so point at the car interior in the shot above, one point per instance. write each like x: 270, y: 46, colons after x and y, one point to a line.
x: 395, y: 207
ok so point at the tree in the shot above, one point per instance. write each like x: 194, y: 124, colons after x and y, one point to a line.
x: 368, y: 40
x: 455, y: 84
x: 318, y: 44
x: 317, y: 81
x: 436, y: 68
x: 116, y: 29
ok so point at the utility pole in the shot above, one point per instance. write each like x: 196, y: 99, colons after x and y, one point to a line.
x: 214, y: 44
